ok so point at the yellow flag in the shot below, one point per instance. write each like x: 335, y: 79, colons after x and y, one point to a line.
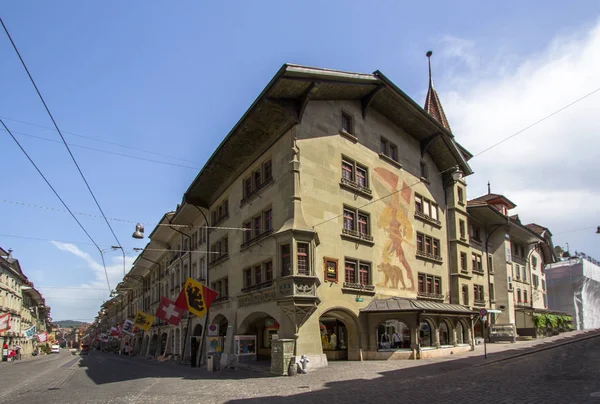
x: 198, y: 297
x: 143, y: 320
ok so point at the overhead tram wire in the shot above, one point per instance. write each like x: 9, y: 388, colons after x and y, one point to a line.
x: 108, y: 152
x: 64, y: 141
x: 96, y: 140
x: 61, y: 200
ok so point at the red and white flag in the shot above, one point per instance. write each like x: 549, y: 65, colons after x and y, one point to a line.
x: 169, y: 311
x: 43, y: 337
x: 5, y: 322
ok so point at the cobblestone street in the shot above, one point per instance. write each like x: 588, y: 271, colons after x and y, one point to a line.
x: 563, y: 370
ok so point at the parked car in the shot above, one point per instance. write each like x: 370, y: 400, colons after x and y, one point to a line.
x: 85, y: 349
x: 55, y: 348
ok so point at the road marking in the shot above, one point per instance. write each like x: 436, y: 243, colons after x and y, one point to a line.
x: 57, y: 384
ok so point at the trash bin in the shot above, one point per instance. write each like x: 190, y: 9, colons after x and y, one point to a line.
x: 212, y: 363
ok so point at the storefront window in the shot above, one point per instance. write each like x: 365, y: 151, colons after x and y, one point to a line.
x: 333, y: 335
x: 444, y: 334
x: 459, y: 333
x: 392, y: 335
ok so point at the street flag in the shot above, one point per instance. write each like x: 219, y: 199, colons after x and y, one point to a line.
x: 198, y: 297
x: 128, y: 327
x: 143, y: 320
x: 103, y: 337
x: 169, y: 311
x: 43, y: 337
x: 5, y: 322
x: 30, y: 332
x: 114, y: 331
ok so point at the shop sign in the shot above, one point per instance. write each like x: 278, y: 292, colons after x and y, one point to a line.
x: 331, y: 269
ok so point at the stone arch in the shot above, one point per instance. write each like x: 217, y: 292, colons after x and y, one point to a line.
x: 263, y: 325
x: 153, y: 345
x: 446, y: 331
x: 426, y: 331
x: 352, y: 341
x: 462, y: 332
x: 385, y: 339
x: 223, y: 323
x: 197, y: 330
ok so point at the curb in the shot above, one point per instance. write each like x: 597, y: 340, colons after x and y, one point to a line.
x: 541, y: 349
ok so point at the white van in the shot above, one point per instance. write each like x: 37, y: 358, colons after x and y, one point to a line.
x: 55, y: 348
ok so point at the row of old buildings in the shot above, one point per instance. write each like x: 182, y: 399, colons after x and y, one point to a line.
x: 336, y: 213
x: 22, y: 307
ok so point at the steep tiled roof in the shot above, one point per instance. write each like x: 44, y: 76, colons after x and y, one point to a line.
x: 433, y: 106
x: 487, y: 198
x: 536, y: 228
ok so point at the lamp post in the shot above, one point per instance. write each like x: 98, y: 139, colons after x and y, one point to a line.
x: 118, y: 247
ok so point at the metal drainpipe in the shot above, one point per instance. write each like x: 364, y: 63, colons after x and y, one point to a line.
x: 207, y: 256
x: 189, y: 251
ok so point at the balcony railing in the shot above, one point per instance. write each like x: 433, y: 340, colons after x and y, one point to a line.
x: 478, y: 271
x: 353, y: 185
x: 429, y: 295
x: 219, y: 259
x: 429, y: 256
x: 423, y: 216
x: 356, y: 234
x: 358, y: 286
x: 258, y: 286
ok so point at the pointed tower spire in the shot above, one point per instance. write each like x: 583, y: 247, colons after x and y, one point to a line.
x: 433, y: 106
x: 489, y: 188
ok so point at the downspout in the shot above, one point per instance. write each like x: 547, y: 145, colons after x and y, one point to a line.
x: 189, y: 251
x: 207, y: 256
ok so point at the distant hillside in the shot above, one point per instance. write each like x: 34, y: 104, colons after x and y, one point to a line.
x: 69, y: 323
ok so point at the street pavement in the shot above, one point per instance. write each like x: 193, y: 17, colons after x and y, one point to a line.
x: 560, y: 370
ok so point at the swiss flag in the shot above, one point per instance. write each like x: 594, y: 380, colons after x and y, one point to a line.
x: 4, y: 322
x: 169, y: 311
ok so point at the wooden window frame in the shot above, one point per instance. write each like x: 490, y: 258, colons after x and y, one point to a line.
x: 350, y: 119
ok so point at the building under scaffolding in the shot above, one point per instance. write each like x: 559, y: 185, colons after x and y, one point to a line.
x: 574, y: 288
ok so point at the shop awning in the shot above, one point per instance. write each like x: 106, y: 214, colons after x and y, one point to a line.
x: 404, y: 305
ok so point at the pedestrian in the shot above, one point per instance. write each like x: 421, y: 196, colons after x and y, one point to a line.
x: 126, y: 349
x: 396, y: 340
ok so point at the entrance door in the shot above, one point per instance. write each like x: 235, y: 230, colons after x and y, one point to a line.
x: 334, y: 338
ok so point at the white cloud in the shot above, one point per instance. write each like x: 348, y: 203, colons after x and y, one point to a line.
x: 549, y: 171
x: 82, y: 301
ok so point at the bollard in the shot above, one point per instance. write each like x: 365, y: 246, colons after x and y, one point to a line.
x: 292, y: 369
x: 304, y: 361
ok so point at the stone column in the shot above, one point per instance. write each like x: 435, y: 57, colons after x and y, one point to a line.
x: 453, y: 337
x: 435, y: 336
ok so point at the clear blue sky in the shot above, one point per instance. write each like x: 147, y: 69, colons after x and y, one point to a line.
x: 174, y: 77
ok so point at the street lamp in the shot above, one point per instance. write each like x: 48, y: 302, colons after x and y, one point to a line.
x: 118, y: 247
x: 457, y: 174
x: 139, y: 231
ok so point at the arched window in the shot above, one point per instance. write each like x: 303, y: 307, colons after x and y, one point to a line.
x: 425, y: 334
x: 392, y: 335
x: 465, y: 295
x: 444, y: 334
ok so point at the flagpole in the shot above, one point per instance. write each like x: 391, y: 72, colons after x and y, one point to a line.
x: 207, y: 255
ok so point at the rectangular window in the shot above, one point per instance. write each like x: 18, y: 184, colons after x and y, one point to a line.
x: 350, y: 268
x: 460, y: 196
x: 247, y: 277
x: 225, y: 287
x: 418, y: 204
x: 421, y: 283
x: 463, y: 262
x: 247, y: 233
x: 257, y: 182
x: 429, y: 284
x: 543, y: 285
x: 490, y: 264
x: 428, y: 246
x: 517, y: 272
x: 385, y: 146
x: 420, y: 242
x: 361, y: 177
x: 492, y: 294
x: 268, y: 219
x: 363, y: 224
x: 348, y: 219
x: 437, y: 289
x: 534, y: 263
x: 347, y: 170
x: 524, y: 271
x: 286, y: 263
x: 303, y: 259
x: 461, y: 226
x: 424, y: 171
x: 247, y: 187
x: 267, y: 171
x: 256, y: 227
x: 268, y: 267
x: 257, y: 275
x: 525, y: 296
x: 436, y: 247
x: 536, y: 281
x: 393, y: 152
x: 346, y: 123
x: 363, y: 273
x: 518, y: 295
x: 508, y: 254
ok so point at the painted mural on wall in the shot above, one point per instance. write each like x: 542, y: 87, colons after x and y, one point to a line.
x: 396, y: 272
